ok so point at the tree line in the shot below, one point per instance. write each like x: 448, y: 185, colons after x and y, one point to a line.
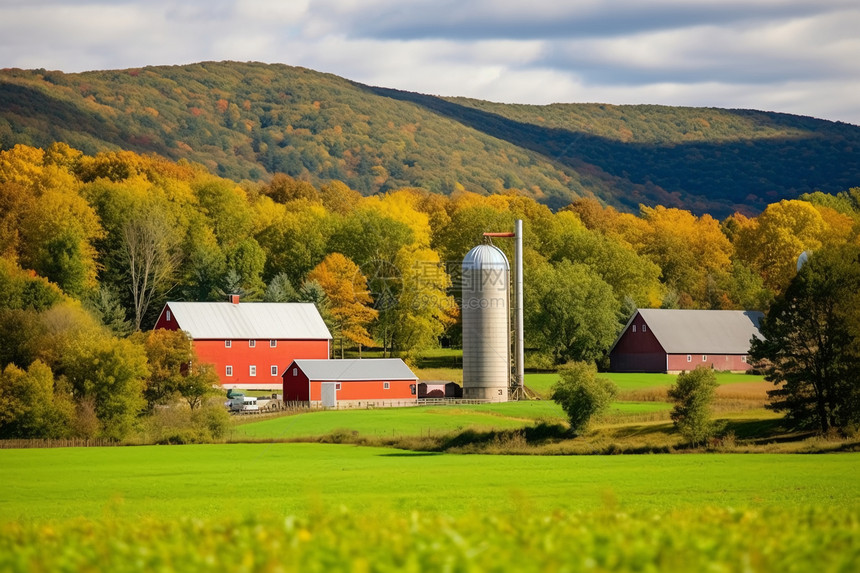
x: 93, y: 245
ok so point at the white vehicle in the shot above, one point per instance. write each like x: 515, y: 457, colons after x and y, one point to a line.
x: 239, y: 403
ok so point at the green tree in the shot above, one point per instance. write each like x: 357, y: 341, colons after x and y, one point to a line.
x: 112, y: 374
x: 811, y: 343
x: 571, y: 313
x: 582, y: 393
x: 692, y: 396
x: 280, y: 289
x: 106, y: 306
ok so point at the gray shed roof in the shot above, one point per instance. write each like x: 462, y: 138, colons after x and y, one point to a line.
x: 250, y: 320
x: 356, y: 369
x: 702, y: 331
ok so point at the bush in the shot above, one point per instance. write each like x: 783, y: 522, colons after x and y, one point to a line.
x: 178, y: 424
x: 582, y: 394
x: 692, y: 394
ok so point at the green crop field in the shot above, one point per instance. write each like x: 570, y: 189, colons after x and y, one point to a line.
x: 316, y: 507
x: 236, y: 479
x: 309, y: 507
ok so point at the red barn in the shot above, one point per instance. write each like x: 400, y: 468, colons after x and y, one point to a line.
x: 664, y: 340
x: 351, y: 383
x: 250, y: 343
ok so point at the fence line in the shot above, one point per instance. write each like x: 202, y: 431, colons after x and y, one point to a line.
x: 20, y: 443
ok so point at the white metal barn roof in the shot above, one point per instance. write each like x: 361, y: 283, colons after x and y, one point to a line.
x: 355, y: 369
x: 702, y: 331
x: 250, y: 320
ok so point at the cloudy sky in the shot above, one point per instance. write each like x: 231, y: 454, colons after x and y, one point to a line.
x: 796, y: 56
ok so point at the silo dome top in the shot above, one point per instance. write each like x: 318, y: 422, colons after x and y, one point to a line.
x: 485, y: 257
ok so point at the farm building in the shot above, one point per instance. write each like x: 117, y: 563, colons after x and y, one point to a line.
x: 250, y: 343
x: 663, y: 340
x: 350, y: 383
x: 439, y: 389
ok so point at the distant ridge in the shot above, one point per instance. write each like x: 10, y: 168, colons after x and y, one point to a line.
x: 250, y: 120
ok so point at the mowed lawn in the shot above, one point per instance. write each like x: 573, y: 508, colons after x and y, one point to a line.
x: 236, y: 480
x: 400, y: 422
x: 441, y: 420
x: 631, y: 381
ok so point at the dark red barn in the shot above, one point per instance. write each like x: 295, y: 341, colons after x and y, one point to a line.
x: 669, y: 340
x: 351, y: 383
x: 250, y: 343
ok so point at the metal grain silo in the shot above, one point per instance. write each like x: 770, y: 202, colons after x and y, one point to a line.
x: 486, y: 324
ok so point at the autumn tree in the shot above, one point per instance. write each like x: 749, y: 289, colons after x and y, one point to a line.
x: 174, y: 369
x: 771, y: 242
x: 421, y: 308
x: 349, y: 300
x: 56, y: 227
x: 283, y: 189
x: 690, y: 251
x: 30, y: 407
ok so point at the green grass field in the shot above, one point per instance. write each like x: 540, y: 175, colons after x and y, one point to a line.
x: 235, y: 480
x: 626, y: 381
x: 337, y: 507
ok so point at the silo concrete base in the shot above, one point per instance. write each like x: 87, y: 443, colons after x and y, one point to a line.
x: 493, y: 394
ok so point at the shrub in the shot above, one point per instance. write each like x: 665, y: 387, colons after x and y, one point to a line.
x: 692, y: 394
x: 582, y: 394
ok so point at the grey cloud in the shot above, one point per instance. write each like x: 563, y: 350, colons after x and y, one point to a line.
x: 541, y: 20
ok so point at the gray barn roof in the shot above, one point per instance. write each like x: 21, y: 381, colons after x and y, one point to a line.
x: 702, y: 331
x: 250, y: 320
x: 356, y: 369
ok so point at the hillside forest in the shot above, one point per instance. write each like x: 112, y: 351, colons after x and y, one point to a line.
x: 93, y: 246
x: 249, y: 121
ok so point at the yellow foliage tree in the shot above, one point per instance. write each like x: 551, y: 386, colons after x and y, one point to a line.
x: 771, y: 242
x: 349, y: 299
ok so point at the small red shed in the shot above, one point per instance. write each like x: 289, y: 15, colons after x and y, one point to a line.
x: 249, y: 343
x: 672, y: 340
x: 351, y: 383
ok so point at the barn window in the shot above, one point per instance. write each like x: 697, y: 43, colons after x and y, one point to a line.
x: 337, y: 386
x: 295, y: 371
x: 644, y: 328
x: 386, y: 385
x: 744, y: 359
x: 274, y: 370
x: 252, y: 370
x: 273, y: 344
x: 252, y: 343
x: 168, y: 316
x: 229, y: 371
x: 228, y: 343
x: 689, y: 358
x: 634, y: 328
x: 412, y: 389
x: 704, y: 357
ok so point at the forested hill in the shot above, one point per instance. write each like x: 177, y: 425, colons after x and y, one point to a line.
x: 250, y: 120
